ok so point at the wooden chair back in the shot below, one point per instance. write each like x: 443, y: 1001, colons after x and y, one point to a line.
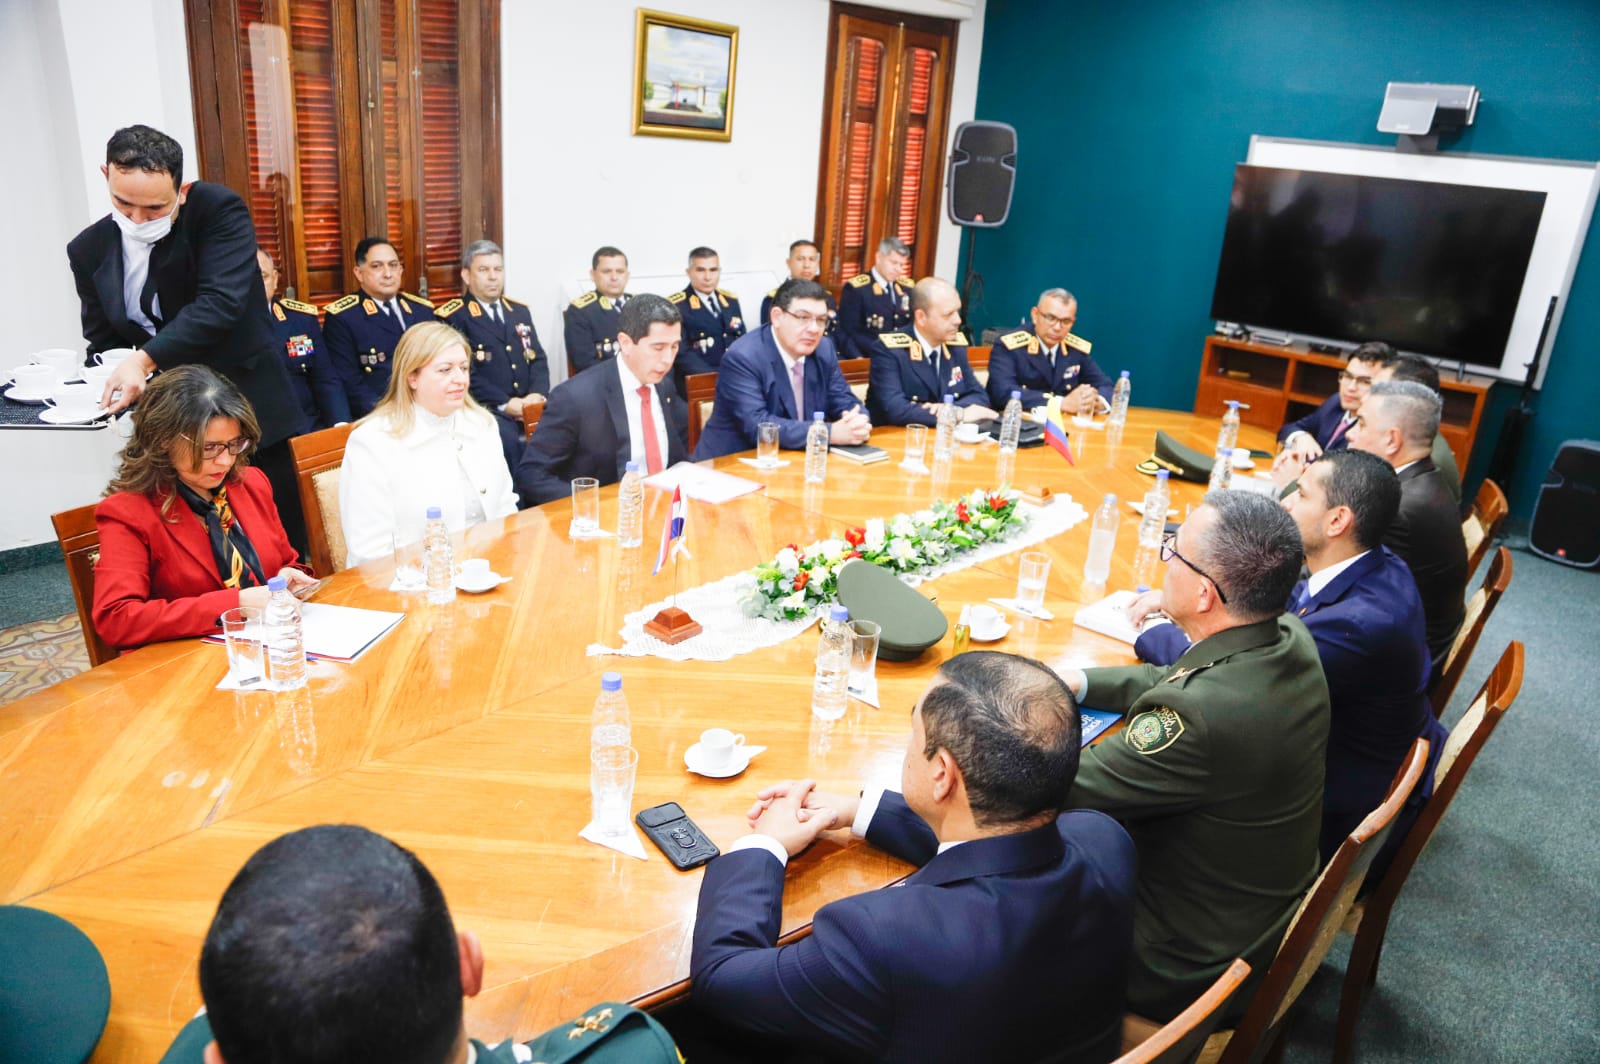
x: 1317, y: 923
x: 857, y: 373
x: 1182, y: 1038
x: 1479, y: 607
x: 317, y: 458
x: 80, y: 547
x: 700, y: 389
x: 1369, y: 920
x: 978, y: 359
x: 1483, y: 522
x: 531, y: 413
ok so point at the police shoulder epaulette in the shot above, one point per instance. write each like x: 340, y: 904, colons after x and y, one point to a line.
x: 725, y: 294
x: 508, y: 301
x: 295, y: 304
x: 677, y: 297
x: 342, y: 304
x: 585, y: 299
x: 961, y: 338
x: 1016, y: 341
x: 772, y: 294
x: 448, y: 309
x: 859, y: 280
x: 895, y: 339
x: 418, y: 299
x: 1077, y: 343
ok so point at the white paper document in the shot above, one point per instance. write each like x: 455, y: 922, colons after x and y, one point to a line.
x: 703, y: 483
x: 1109, y: 617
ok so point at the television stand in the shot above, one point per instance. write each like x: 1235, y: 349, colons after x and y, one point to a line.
x: 1275, y: 339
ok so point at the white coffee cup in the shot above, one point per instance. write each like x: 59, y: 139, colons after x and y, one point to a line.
x: 983, y: 619
x: 77, y: 401
x: 63, y: 360
x: 35, y: 380
x: 98, y: 375
x: 475, y: 571
x: 114, y: 357
x: 968, y: 432
x: 717, y: 746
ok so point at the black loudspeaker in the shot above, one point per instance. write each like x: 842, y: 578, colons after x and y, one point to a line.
x: 983, y: 168
x: 1566, y: 517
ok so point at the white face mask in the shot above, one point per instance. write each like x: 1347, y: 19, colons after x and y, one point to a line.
x: 144, y: 232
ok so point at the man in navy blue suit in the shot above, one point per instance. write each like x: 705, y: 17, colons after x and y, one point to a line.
x: 712, y: 317
x: 912, y: 371
x: 1012, y: 940
x: 1362, y: 608
x: 785, y: 371
x: 364, y: 327
x: 1327, y: 427
x: 1049, y: 360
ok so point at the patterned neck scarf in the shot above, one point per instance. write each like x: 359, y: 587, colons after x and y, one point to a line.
x: 236, y: 559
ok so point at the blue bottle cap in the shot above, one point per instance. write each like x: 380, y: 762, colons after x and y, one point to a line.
x: 278, y: 583
x: 1124, y: 374
x: 434, y: 513
x: 632, y: 467
x: 1141, y: 589
x: 1016, y: 393
x: 949, y: 397
x: 1162, y: 475
x: 838, y: 612
x: 611, y: 681
x: 817, y: 416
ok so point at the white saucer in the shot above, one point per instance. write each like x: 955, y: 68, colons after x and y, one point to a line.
x: 976, y: 437
x: 990, y: 635
x: 17, y: 395
x: 52, y: 416
x: 492, y: 581
x: 1246, y: 464
x: 1137, y: 505
x: 736, y: 764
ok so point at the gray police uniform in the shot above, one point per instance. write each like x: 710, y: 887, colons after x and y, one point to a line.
x: 316, y: 384
x: 362, y: 335
x: 867, y: 308
x: 589, y: 327
x: 1218, y: 777
x: 903, y: 375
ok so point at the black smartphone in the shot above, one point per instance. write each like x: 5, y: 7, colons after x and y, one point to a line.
x: 680, y: 838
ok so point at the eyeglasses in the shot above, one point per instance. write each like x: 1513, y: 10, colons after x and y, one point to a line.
x: 1060, y: 323
x: 236, y: 446
x: 1169, y: 551
x: 808, y: 321
x: 1346, y: 377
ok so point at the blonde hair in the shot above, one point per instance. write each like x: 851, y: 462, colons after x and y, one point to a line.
x: 418, y: 346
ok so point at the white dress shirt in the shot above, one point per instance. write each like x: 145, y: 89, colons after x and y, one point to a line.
x: 871, y: 798
x: 1323, y: 577
x: 630, y: 400
x: 135, y: 271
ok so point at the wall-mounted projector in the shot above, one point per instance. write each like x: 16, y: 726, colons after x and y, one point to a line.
x: 1419, y: 111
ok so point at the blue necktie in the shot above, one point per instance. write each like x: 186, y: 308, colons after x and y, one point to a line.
x: 1302, y: 598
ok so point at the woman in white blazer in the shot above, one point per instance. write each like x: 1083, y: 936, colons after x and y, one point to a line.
x: 427, y: 443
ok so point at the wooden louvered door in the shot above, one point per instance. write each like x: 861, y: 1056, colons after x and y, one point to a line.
x: 337, y: 119
x: 886, y: 117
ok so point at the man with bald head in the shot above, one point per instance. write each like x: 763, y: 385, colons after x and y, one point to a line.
x: 1397, y: 422
x: 913, y: 370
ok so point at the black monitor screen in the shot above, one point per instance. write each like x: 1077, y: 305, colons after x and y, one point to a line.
x: 1428, y: 267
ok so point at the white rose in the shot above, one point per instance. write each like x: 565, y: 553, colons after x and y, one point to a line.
x: 902, y: 551
x: 903, y: 526
x: 875, y: 536
x: 978, y: 498
x: 796, y: 601
x: 788, y: 561
x: 829, y: 549
x: 926, y: 517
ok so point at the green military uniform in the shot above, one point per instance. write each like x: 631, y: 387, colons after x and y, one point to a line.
x: 1218, y: 778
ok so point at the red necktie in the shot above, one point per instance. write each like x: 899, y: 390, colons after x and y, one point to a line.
x: 652, y: 449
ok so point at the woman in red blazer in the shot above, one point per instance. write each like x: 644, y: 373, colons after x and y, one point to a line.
x: 187, y: 529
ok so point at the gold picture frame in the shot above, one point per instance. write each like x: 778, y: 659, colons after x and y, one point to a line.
x: 683, y: 76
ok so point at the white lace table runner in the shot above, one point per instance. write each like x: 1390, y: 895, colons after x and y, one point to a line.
x: 728, y: 632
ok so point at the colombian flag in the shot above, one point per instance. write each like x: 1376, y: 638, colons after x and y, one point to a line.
x: 1055, y: 430
x: 672, y: 531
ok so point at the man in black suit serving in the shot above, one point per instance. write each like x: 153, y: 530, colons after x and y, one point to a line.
x: 624, y: 410
x: 172, y: 272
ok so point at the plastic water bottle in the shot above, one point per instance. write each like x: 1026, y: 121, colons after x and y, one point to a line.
x: 611, y: 724
x: 1152, y: 527
x: 944, y: 433
x: 817, y: 450
x: 630, y: 508
x: 828, y: 693
x: 1227, y: 440
x: 438, y: 563
x: 1102, y: 543
x: 1119, y: 400
x: 1011, y: 423
x: 286, y: 651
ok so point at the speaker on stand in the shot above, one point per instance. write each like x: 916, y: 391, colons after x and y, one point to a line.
x: 978, y: 185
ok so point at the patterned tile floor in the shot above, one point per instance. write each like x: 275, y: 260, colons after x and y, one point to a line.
x: 33, y: 656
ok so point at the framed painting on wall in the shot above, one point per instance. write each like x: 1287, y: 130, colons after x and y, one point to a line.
x: 683, y: 76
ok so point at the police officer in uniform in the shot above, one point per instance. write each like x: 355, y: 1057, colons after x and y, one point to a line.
x: 509, y: 367
x: 363, y: 327
x: 712, y: 318
x: 876, y: 302
x: 1049, y: 360
x: 311, y: 374
x: 1218, y: 775
x: 589, y: 324
x: 912, y: 371
x: 805, y: 264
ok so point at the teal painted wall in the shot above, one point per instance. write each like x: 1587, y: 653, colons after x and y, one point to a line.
x: 1130, y: 117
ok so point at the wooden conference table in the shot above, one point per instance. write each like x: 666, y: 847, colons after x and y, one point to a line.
x: 133, y: 792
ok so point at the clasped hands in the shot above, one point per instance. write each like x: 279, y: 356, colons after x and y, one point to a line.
x: 853, y: 427
x: 793, y: 813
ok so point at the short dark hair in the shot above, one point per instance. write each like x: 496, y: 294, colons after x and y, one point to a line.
x: 1368, y: 485
x: 332, y: 944
x: 1012, y: 726
x: 802, y: 243
x: 1254, y: 553
x: 606, y: 252
x: 643, y: 311
x: 1409, y: 367
x: 703, y: 252
x: 147, y: 149
x: 1414, y: 407
x: 795, y: 288
x: 370, y: 242
x: 1374, y: 352
x: 477, y: 249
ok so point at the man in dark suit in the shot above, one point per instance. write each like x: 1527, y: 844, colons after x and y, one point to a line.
x: 625, y: 411
x: 1397, y: 422
x: 784, y: 372
x: 364, y: 327
x: 712, y: 317
x: 878, y: 301
x: 299, y: 336
x: 589, y: 324
x: 1048, y: 360
x: 172, y: 272
x: 1011, y: 941
x: 1409, y: 367
x: 805, y: 264
x: 1326, y: 428
x: 509, y: 367
x: 912, y: 371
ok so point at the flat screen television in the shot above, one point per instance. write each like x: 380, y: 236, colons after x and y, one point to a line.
x: 1429, y: 267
